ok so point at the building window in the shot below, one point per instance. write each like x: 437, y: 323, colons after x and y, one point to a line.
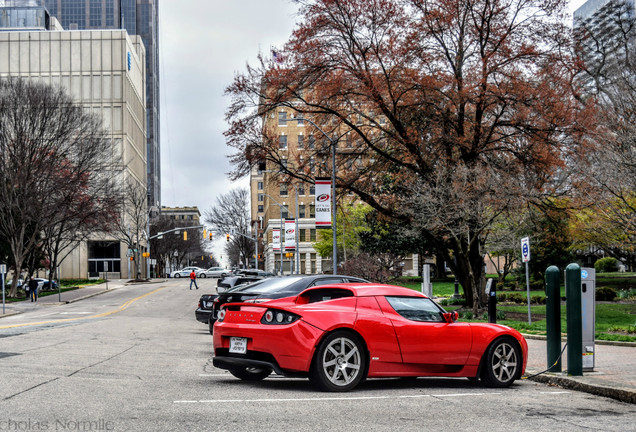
x: 312, y: 142
x: 261, y: 197
x: 260, y: 208
x: 260, y: 185
x: 282, y: 142
x: 300, y: 118
x: 283, y: 190
x: 301, y: 211
x: 312, y: 211
x: 282, y: 118
x: 312, y: 235
x: 312, y: 165
x: 300, y: 141
x: 285, y: 212
x: 301, y: 189
x: 312, y: 190
x: 302, y: 236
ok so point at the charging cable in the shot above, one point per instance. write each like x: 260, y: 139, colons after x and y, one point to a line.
x: 548, y: 369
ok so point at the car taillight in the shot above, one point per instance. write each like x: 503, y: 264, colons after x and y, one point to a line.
x: 221, y: 315
x: 279, y: 317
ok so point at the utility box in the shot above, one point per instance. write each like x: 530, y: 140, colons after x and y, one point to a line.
x: 588, y: 316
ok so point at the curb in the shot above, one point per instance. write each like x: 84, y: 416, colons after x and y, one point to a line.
x: 623, y: 395
x: 597, y: 342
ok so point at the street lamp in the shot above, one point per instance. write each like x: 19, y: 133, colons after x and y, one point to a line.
x: 333, y: 142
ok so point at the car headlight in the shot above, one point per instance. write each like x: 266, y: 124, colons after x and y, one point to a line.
x: 279, y: 317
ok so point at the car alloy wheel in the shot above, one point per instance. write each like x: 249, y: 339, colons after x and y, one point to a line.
x: 251, y: 374
x: 202, y: 275
x: 340, y: 363
x: 177, y: 275
x: 502, y: 363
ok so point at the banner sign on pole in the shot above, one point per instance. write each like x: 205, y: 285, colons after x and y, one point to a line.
x: 290, y: 234
x: 276, y: 240
x: 323, y: 202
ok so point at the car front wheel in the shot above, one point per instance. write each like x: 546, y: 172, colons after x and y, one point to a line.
x: 202, y: 275
x: 177, y: 275
x: 340, y: 362
x: 251, y: 374
x: 502, y: 363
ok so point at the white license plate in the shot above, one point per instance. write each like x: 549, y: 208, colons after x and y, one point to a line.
x: 238, y: 345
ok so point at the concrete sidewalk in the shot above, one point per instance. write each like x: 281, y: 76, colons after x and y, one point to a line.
x: 65, y: 297
x: 614, y: 372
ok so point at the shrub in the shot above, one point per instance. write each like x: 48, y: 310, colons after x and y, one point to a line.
x: 516, y: 298
x: 537, y: 299
x: 452, y: 301
x: 605, y: 294
x: 627, y: 294
x: 501, y: 297
x: 537, y: 285
x: 606, y: 265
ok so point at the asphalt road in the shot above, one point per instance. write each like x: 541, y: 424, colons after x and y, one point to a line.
x: 135, y: 359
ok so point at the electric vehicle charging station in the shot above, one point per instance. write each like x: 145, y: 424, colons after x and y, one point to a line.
x: 588, y: 315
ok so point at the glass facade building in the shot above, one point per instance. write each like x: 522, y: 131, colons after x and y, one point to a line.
x: 138, y: 17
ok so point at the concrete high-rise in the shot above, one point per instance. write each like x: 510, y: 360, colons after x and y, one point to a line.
x: 138, y: 17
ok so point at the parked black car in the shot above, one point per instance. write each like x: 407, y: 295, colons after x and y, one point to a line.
x: 273, y: 288
x: 231, y: 281
x: 204, y: 311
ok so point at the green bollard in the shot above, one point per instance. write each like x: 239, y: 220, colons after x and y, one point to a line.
x: 553, y: 317
x: 574, y: 319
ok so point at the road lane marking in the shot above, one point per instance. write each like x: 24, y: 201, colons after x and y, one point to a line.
x: 101, y: 315
x: 333, y: 398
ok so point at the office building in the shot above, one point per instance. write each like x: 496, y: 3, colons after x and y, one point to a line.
x: 103, y: 70
x: 137, y: 17
x: 605, y: 32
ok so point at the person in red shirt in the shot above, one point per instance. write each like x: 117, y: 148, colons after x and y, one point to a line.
x: 193, y: 279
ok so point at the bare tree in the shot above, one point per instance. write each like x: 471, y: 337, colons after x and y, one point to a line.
x: 53, y: 154
x: 129, y: 226
x: 231, y: 214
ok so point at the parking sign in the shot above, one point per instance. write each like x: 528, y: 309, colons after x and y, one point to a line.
x: 525, y: 249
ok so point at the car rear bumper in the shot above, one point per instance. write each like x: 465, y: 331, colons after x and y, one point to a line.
x: 228, y: 363
x: 203, y: 315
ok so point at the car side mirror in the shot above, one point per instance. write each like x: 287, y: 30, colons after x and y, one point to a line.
x: 451, y: 317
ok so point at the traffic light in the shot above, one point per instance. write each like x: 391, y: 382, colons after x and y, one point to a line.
x: 132, y: 258
x: 227, y: 237
x: 205, y: 233
x: 210, y: 234
x: 185, y: 236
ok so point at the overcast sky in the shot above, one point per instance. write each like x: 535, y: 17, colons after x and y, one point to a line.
x: 203, y: 43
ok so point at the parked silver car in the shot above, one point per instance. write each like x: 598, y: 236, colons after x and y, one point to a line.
x: 185, y: 272
x: 214, y: 272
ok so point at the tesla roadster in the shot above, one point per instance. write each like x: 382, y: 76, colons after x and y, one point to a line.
x: 338, y: 335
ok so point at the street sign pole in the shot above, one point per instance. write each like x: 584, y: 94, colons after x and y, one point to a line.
x: 3, y: 270
x: 525, y: 255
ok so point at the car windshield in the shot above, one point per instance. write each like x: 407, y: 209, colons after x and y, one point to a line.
x: 416, y: 308
x: 271, y: 285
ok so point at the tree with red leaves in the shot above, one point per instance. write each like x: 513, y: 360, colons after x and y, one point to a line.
x: 448, y: 113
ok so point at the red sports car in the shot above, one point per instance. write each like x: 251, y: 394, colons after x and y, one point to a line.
x: 338, y: 335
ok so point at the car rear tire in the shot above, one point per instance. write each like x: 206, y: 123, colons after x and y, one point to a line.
x: 177, y: 275
x: 340, y: 363
x: 251, y: 374
x: 501, y: 363
x: 202, y: 275
x: 211, y: 324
